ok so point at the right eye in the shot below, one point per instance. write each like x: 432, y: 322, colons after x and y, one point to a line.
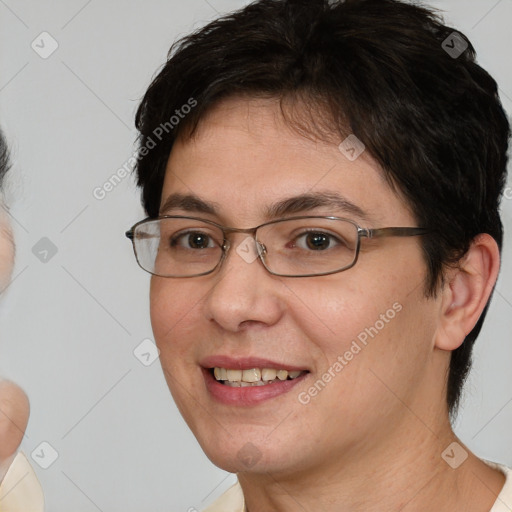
x: 192, y: 240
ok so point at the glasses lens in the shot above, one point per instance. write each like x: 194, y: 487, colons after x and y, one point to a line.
x: 177, y: 247
x: 309, y: 246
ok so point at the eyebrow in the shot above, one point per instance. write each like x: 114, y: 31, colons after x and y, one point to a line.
x: 291, y: 205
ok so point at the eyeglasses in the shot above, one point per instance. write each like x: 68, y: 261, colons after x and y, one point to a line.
x: 307, y: 246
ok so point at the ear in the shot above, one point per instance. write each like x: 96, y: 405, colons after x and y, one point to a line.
x: 466, y: 291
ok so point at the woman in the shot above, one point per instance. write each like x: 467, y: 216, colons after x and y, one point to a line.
x: 322, y: 183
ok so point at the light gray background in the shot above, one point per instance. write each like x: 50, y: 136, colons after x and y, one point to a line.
x: 69, y: 326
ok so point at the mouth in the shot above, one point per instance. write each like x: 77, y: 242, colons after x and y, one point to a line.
x: 253, y: 376
x: 246, y: 382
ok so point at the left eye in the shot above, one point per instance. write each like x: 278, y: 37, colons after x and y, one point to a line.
x: 316, y: 241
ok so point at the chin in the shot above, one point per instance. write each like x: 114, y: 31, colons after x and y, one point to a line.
x: 239, y: 454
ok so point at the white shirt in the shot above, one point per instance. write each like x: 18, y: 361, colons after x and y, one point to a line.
x: 20, y: 491
x: 233, y: 499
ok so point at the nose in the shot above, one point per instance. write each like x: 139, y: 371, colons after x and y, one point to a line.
x: 243, y: 293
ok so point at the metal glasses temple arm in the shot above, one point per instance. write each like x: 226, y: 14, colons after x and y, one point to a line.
x: 382, y: 232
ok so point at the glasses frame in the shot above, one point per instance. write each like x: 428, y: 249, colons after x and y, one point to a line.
x: 261, y: 249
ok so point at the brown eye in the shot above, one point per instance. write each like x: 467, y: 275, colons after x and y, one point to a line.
x: 198, y: 241
x: 192, y: 240
x: 317, y: 241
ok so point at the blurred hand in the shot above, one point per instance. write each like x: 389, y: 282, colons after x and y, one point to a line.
x: 14, y: 413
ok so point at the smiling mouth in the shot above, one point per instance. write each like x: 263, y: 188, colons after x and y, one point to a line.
x: 253, y: 376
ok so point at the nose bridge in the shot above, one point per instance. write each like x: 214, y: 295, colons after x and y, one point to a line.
x: 229, y: 243
x: 249, y: 231
x: 246, y: 252
x: 241, y: 294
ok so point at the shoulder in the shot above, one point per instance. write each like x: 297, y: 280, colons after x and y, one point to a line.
x: 503, y: 502
x: 231, y: 501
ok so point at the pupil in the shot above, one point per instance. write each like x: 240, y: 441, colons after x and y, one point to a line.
x: 318, y: 241
x: 197, y: 241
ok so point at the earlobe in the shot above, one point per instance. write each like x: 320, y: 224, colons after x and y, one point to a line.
x: 466, y: 291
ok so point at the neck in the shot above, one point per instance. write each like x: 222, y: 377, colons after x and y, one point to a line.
x: 406, y: 473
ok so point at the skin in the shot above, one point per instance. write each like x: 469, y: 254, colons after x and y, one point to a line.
x: 14, y: 413
x: 14, y: 404
x: 6, y: 250
x: 372, y: 439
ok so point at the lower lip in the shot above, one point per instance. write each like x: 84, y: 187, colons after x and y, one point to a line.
x: 249, y: 395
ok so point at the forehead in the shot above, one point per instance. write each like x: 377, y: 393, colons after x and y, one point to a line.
x: 245, y: 157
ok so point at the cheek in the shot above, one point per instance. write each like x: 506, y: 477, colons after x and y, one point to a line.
x: 168, y: 302
x: 172, y: 311
x: 174, y: 307
x: 358, y: 327
x: 335, y: 312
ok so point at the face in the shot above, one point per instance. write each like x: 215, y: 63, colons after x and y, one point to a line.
x: 359, y: 338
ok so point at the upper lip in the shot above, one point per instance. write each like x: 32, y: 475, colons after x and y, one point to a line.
x: 246, y: 363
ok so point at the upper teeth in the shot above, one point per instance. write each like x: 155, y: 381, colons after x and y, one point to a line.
x: 254, y: 376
